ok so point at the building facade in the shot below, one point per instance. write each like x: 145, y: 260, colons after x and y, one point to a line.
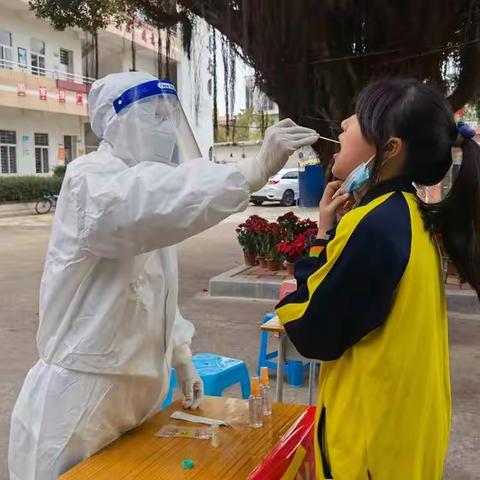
x: 45, y: 76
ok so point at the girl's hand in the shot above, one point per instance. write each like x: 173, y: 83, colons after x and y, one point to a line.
x: 330, y: 207
x: 343, y: 210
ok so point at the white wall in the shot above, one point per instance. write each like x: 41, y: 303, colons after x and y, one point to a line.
x: 23, y: 25
x: 28, y: 122
x: 192, y: 82
x: 118, y: 57
x: 108, y: 62
x: 234, y: 153
x: 242, y: 70
x: 145, y: 62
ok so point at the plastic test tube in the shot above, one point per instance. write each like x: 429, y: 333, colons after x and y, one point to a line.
x: 215, y: 436
x: 266, y: 391
x: 255, y: 404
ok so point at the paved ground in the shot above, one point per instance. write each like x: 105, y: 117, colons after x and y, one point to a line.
x: 225, y: 326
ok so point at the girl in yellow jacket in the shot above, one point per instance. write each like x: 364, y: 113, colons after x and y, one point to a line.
x: 370, y: 300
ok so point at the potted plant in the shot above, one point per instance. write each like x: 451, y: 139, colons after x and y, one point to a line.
x: 308, y: 227
x: 247, y: 240
x: 260, y: 228
x: 310, y: 236
x: 261, y: 250
x: 290, y: 225
x: 296, y: 249
x: 292, y: 251
x: 274, y: 234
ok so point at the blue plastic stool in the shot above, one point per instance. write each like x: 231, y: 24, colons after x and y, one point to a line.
x: 218, y: 373
x: 264, y: 358
x: 173, y: 383
x: 293, y: 368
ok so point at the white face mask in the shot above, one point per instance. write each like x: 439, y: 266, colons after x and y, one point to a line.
x: 159, y: 142
x: 140, y: 135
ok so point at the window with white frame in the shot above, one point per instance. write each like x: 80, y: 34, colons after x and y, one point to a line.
x: 5, y: 49
x: 37, y: 56
x: 22, y: 58
x: 66, y: 63
x: 41, y: 153
x: 8, y: 151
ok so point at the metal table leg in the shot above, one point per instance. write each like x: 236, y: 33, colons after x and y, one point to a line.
x: 311, y: 381
x: 280, y: 366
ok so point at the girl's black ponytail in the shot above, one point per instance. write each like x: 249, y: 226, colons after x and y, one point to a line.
x: 457, y: 216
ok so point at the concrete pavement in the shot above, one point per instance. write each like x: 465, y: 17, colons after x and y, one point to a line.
x: 225, y: 326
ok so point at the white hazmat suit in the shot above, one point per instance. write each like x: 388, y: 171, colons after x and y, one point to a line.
x: 110, y: 329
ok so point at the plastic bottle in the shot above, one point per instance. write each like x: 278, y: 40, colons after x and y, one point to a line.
x: 255, y: 404
x: 215, y: 436
x: 265, y: 391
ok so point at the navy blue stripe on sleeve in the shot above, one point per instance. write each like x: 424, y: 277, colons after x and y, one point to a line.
x: 356, y: 295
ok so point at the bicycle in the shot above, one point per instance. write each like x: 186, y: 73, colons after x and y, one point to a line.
x: 46, y: 203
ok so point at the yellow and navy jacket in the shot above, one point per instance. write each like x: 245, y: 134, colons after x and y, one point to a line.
x: 370, y: 303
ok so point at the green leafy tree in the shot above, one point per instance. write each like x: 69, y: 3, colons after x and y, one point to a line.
x: 312, y: 57
x: 94, y: 15
x: 249, y: 125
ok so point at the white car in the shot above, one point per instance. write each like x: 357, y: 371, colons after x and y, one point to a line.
x: 283, y: 188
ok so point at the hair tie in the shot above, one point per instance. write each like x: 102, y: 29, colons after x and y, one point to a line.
x: 464, y: 131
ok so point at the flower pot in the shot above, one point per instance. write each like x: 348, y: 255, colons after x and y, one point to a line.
x: 250, y: 260
x: 274, y: 265
x: 262, y: 262
x: 290, y: 267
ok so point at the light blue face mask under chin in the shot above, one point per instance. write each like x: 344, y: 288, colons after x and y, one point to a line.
x: 358, y: 178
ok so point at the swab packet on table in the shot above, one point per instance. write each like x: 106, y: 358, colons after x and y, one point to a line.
x: 177, y: 431
x: 197, y: 419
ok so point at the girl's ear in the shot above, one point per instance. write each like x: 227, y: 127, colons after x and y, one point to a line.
x: 393, y: 149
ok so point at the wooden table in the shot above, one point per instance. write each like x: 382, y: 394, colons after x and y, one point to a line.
x: 287, y: 350
x: 140, y: 455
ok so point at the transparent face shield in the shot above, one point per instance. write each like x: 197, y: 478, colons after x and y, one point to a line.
x: 151, y: 125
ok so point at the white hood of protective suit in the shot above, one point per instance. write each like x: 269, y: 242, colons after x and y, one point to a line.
x: 136, y: 134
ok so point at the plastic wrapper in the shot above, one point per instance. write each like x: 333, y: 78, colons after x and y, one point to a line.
x: 177, y: 431
x: 293, y: 457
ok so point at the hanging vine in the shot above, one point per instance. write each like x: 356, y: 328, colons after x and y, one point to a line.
x: 167, y: 53
x: 187, y: 25
x: 214, y: 74
x: 226, y: 80
x: 196, y: 65
x: 159, y: 54
x: 232, y: 56
x: 326, y: 51
x: 133, y: 50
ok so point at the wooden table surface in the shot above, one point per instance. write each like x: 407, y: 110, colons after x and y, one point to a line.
x: 140, y: 455
x: 273, y: 325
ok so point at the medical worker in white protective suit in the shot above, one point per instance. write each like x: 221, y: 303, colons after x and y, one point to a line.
x: 109, y: 324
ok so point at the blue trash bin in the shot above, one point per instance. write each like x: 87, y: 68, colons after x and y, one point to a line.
x: 295, y: 369
x: 311, y: 184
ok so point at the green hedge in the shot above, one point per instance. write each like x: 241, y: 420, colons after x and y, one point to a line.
x: 59, y: 171
x: 27, y: 189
